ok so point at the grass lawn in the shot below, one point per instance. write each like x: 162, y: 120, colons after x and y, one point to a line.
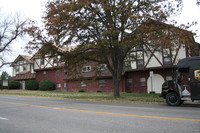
x: 89, y: 96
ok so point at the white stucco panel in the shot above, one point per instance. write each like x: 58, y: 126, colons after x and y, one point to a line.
x: 153, y: 61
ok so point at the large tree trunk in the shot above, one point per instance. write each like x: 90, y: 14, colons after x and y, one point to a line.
x: 117, y: 63
x: 116, y: 87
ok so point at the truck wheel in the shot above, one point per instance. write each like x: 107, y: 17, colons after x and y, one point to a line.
x: 173, y: 99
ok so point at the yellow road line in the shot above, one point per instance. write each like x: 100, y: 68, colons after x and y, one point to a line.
x: 107, y: 113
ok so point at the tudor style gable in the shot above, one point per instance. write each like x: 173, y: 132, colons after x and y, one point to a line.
x: 22, y: 64
x: 23, y: 69
x: 46, y: 60
x: 150, y: 55
x: 153, y: 58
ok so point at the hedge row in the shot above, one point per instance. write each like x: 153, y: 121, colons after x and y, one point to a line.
x: 14, y: 85
x: 45, y: 85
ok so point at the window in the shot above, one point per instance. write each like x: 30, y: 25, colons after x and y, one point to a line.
x: 24, y: 68
x: 167, y: 61
x: 102, y: 82
x: 20, y: 62
x: 57, y: 72
x: 17, y: 69
x: 42, y: 61
x: 168, y: 78
x: 102, y: 67
x: 55, y: 60
x: 65, y: 71
x: 83, y: 84
x: 129, y: 82
x: 58, y: 85
x: 44, y: 72
x: 131, y: 56
x: 142, y: 82
x: 86, y: 68
x: 128, y: 65
x: 140, y: 64
x: 140, y: 59
x: 65, y: 85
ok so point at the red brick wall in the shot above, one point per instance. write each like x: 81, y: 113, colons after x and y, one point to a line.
x: 51, y: 75
x: 91, y: 86
x: 136, y: 75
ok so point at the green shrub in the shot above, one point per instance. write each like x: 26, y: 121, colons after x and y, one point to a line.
x: 1, y: 87
x: 31, y: 85
x: 81, y: 90
x: 46, y: 85
x: 5, y: 87
x: 99, y: 91
x: 129, y: 91
x: 14, y: 84
x: 152, y: 92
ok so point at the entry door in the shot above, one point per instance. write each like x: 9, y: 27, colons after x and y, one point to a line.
x: 154, y: 83
x: 22, y: 85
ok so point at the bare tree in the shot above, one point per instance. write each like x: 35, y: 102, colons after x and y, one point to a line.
x: 10, y: 29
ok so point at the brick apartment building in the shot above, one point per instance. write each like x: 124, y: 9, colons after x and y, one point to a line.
x: 143, y: 74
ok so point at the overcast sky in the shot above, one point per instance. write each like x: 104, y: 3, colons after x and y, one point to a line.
x: 34, y: 9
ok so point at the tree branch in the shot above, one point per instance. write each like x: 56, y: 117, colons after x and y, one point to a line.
x: 3, y: 64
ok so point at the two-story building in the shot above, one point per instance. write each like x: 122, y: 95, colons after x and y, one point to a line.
x: 23, y: 69
x: 49, y: 67
x: 151, y: 68
x: 92, y: 77
x: 148, y: 65
x: 145, y: 71
x: 147, y: 68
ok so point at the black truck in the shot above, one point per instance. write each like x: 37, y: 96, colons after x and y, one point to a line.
x: 185, y: 84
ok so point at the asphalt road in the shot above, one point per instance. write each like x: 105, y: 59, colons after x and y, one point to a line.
x: 44, y: 115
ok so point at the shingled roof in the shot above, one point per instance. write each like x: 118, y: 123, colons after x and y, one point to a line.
x: 24, y: 76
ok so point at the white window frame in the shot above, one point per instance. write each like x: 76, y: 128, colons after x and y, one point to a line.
x: 169, y: 78
x: 57, y: 72
x: 140, y: 64
x: 102, y: 82
x: 17, y: 69
x: 102, y: 67
x: 58, y: 85
x: 42, y: 61
x: 167, y: 60
x: 129, y: 82
x: 24, y: 67
x: 86, y: 68
x: 65, y: 85
x: 44, y: 72
x: 143, y: 81
x: 83, y: 84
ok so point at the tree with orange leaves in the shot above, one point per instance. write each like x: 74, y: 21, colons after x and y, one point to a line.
x: 105, y: 30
